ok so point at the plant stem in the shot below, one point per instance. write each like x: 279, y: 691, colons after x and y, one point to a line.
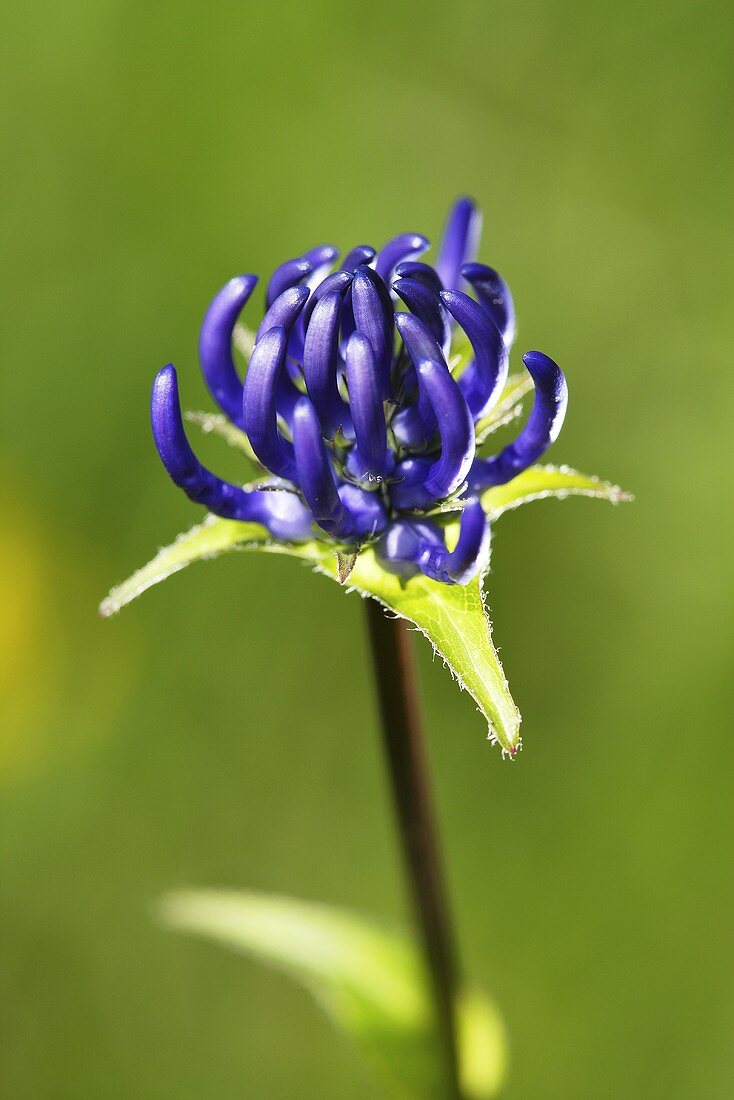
x: 404, y: 742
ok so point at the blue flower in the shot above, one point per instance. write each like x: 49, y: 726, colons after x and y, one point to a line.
x: 354, y: 406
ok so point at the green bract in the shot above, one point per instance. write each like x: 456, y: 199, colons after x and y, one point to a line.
x: 454, y: 618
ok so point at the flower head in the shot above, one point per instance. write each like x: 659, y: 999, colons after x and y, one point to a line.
x: 359, y: 406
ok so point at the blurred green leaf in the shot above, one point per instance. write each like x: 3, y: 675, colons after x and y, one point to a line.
x: 369, y: 981
x: 540, y: 482
x: 218, y: 424
x: 244, y: 340
x: 452, y: 617
x: 507, y: 408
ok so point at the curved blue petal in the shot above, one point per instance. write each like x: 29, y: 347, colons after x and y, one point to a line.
x: 424, y: 273
x: 285, y: 313
x: 403, y: 543
x: 284, y: 310
x: 215, y: 345
x: 316, y: 264
x: 483, y: 380
x: 397, y: 250
x: 315, y: 476
x: 282, y: 513
x: 362, y: 254
x: 287, y: 275
x: 410, y: 546
x: 426, y: 481
x: 260, y: 404
x: 338, y: 282
x: 459, y: 242
x: 470, y: 555
x: 366, y: 508
x: 373, y: 316
x: 425, y: 303
x: 494, y: 294
x: 415, y: 425
x: 544, y: 424
x: 368, y: 414
x: 322, y: 260
x: 322, y: 255
x: 320, y: 354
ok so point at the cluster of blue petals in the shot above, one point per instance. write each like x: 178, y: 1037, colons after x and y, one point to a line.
x: 350, y: 403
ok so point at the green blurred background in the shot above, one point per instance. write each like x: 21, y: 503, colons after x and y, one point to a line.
x: 221, y: 731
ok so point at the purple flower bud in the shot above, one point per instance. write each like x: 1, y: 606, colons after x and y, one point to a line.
x: 417, y: 546
x: 322, y: 260
x: 483, y: 380
x: 322, y: 256
x: 367, y: 510
x: 373, y: 316
x: 415, y: 425
x: 384, y: 437
x: 284, y: 310
x: 494, y: 295
x: 544, y: 424
x: 404, y: 543
x: 320, y: 364
x: 396, y: 251
x: 260, y: 404
x: 338, y: 282
x: 470, y: 555
x: 368, y: 415
x: 362, y: 254
x: 286, y: 276
x: 441, y: 477
x: 459, y: 243
x: 336, y: 516
x: 426, y: 305
x: 284, y: 313
x: 424, y: 273
x: 282, y: 513
x: 215, y: 345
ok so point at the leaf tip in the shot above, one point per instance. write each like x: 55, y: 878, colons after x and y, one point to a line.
x: 344, y: 565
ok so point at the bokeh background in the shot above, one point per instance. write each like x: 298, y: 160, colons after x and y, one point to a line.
x: 221, y: 731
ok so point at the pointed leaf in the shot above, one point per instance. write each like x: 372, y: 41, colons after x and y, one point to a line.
x: 206, y: 540
x: 369, y: 981
x: 452, y: 617
x: 539, y: 482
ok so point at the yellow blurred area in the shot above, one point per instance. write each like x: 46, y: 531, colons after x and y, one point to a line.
x: 46, y: 619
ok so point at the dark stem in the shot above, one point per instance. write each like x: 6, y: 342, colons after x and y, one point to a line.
x: 402, y: 728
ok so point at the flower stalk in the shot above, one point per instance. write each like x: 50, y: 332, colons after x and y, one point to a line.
x: 404, y: 744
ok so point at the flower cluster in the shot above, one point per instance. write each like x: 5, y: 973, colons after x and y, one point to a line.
x: 356, y: 407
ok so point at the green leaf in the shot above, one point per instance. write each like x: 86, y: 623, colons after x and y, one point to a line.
x: 454, y: 620
x: 540, y: 482
x: 206, y: 540
x: 507, y: 408
x: 217, y: 424
x: 370, y: 981
x: 244, y: 340
x: 452, y: 617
